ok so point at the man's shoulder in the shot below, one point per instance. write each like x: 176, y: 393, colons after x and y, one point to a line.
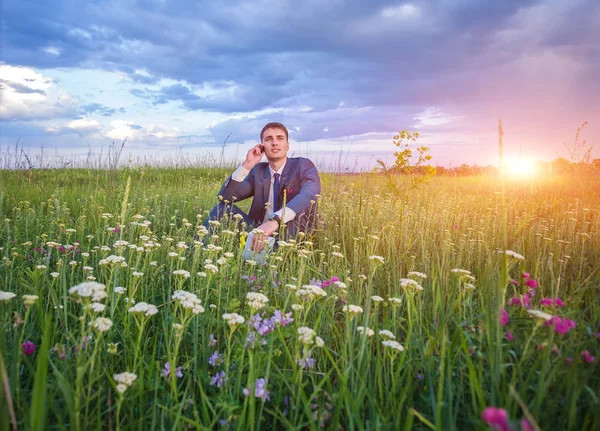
x: 301, y: 161
x: 259, y: 167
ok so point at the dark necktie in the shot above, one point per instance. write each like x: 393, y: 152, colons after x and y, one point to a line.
x: 276, y: 204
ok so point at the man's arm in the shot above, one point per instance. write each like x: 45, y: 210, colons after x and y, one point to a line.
x: 240, y: 185
x: 310, y: 187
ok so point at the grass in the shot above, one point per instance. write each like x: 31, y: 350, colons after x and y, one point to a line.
x: 456, y: 358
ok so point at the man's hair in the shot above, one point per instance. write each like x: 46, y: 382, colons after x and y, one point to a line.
x: 274, y: 125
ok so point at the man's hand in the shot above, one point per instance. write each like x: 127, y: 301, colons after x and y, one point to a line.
x: 258, y: 239
x: 253, y: 156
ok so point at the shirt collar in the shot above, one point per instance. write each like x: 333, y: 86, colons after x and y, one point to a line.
x: 280, y: 171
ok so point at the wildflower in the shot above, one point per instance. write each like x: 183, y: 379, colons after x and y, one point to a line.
x: 377, y: 259
x: 167, y: 371
x: 526, y: 275
x: 102, y: 324
x: 215, y: 359
x: 307, y: 361
x: 297, y: 307
x: 496, y: 418
x: 143, y: 308
x: 28, y: 348
x: 310, y: 291
x: 256, y: 300
x: 188, y: 301
x: 393, y: 345
x: 362, y: 330
x: 182, y: 272
x: 460, y: 271
x: 408, y: 283
x: 512, y: 254
x: 539, y: 315
x: 137, y: 274
x: 41, y: 267
x: 376, y: 299
x: 6, y: 296
x: 55, y: 274
x: 587, y: 357
x: 352, y: 309
x: 219, y: 380
x: 504, y: 317
x: 306, y: 335
x: 29, y: 300
x: 112, y: 260
x: 394, y: 301
x: 534, y: 284
x: 96, y: 307
x: 213, y: 341
x: 282, y: 319
x: 260, y: 390
x: 87, y: 289
x: 416, y: 274
x: 233, y: 319
x: 387, y: 334
x: 337, y: 254
x: 509, y: 336
x: 120, y: 290
x: 112, y: 348
x: 124, y: 381
x: 211, y: 267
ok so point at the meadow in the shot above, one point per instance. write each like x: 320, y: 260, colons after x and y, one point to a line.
x: 469, y: 303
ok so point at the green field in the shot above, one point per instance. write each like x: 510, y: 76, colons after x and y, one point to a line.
x: 455, y: 354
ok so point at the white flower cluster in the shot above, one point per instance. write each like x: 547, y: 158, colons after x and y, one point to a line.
x: 376, y: 298
x: 308, y: 336
x: 233, y: 319
x: 408, y: 283
x: 387, y: 334
x: 256, y: 300
x: 393, y: 345
x: 89, y: 289
x: 182, y: 272
x: 376, y: 258
x: 188, y: 301
x: 102, y: 324
x: 512, y: 254
x: 6, y: 296
x: 460, y: 271
x: 113, y: 260
x: 96, y: 307
x: 362, y: 330
x: 29, y: 300
x: 310, y: 291
x: 416, y: 274
x: 144, y: 308
x: 352, y: 309
x: 539, y: 314
x: 124, y: 381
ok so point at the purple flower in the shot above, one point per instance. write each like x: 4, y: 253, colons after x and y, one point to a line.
x: 307, y: 362
x: 219, y: 380
x: 216, y: 359
x: 282, y: 319
x: 334, y: 279
x: 587, y: 357
x: 260, y: 390
x: 504, y: 317
x: 28, y: 348
x: 251, y: 340
x: 213, y: 340
x: 167, y: 371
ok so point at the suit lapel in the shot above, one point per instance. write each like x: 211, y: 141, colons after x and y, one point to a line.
x: 286, y: 174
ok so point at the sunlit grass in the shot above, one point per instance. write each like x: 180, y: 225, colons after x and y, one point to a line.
x: 397, y: 331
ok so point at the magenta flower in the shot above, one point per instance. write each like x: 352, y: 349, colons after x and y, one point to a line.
x: 526, y: 275
x: 496, y: 418
x: 525, y: 425
x: 504, y: 317
x: 532, y: 283
x: 587, y: 357
x: 568, y: 361
x: 546, y: 302
x: 28, y: 348
x: 515, y: 300
x: 561, y: 326
x: 509, y: 336
x: 558, y: 302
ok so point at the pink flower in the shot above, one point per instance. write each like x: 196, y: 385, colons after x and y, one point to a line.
x: 28, y: 348
x: 496, y: 418
x: 597, y: 335
x: 525, y: 426
x: 561, y: 326
x: 515, y: 300
x: 546, y: 302
x: 509, y: 336
x: 569, y: 361
x: 504, y: 317
x: 587, y: 357
x: 526, y: 275
x: 532, y: 283
x: 558, y: 302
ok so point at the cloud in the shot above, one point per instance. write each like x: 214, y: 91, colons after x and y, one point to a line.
x: 28, y: 95
x: 105, y: 111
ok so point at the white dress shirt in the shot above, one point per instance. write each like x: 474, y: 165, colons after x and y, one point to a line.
x: 285, y: 213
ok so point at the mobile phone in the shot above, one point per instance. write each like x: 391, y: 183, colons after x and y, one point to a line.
x: 262, y: 148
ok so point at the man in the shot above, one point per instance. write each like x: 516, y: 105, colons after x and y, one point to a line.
x: 284, y: 189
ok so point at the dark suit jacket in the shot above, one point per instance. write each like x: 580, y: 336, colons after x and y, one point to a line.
x: 300, y: 181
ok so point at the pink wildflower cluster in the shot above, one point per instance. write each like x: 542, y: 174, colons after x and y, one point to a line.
x: 549, y: 302
x: 586, y: 356
x: 497, y: 419
x: 561, y: 325
x: 520, y: 300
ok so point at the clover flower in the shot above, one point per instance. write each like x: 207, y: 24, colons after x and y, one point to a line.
x: 102, y: 324
x: 143, y: 308
x: 28, y: 348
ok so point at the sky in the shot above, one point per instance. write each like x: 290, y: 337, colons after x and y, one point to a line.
x: 203, y: 77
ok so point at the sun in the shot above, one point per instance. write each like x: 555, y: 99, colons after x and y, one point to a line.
x: 519, y: 168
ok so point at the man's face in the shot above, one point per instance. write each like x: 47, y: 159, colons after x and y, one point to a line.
x: 275, y: 143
